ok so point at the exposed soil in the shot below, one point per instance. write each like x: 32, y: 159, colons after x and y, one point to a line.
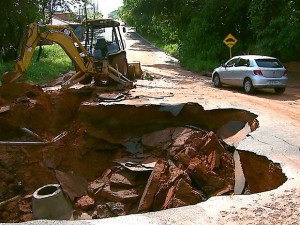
x: 136, y: 155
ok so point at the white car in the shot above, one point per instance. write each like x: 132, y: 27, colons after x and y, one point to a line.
x: 252, y: 72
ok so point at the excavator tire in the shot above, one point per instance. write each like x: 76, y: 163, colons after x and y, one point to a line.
x: 86, y: 80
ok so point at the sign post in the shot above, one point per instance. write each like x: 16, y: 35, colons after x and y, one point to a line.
x: 230, y: 41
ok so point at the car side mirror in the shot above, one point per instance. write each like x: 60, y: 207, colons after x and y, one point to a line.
x: 124, y: 29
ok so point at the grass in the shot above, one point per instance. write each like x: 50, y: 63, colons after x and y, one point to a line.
x: 53, y: 62
x: 200, y: 65
x: 193, y: 64
x: 171, y: 49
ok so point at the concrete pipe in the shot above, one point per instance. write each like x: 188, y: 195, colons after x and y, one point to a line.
x: 49, y: 202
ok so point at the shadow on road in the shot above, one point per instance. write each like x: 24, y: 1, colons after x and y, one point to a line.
x: 289, y: 95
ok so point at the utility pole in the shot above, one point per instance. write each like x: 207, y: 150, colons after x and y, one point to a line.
x: 85, y: 11
x: 94, y: 10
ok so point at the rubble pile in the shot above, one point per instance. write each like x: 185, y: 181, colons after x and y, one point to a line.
x: 117, y: 159
x: 174, y: 181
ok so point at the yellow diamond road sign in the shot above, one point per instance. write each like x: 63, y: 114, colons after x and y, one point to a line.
x: 230, y: 40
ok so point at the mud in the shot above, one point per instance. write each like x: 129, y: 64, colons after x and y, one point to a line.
x: 123, y: 158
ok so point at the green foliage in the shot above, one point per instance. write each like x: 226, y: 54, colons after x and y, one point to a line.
x: 53, y: 62
x: 14, y: 16
x: 113, y: 14
x: 171, y: 49
x: 276, y: 35
x: 195, y: 29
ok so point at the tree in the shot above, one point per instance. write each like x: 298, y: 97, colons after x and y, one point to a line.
x: 277, y: 29
x: 198, y: 27
x: 14, y: 15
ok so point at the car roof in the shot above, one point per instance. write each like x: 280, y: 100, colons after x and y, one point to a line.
x: 254, y: 57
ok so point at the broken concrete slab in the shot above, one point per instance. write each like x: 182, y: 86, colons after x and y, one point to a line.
x: 175, y: 189
x: 124, y: 196
x: 202, y: 155
x: 151, y: 187
x: 118, y: 180
x: 73, y: 185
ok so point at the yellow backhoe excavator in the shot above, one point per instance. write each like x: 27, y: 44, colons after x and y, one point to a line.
x: 100, y: 56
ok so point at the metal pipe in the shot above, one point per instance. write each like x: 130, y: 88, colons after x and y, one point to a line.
x: 9, y: 200
x: 22, y: 143
x: 32, y: 134
x: 55, y: 139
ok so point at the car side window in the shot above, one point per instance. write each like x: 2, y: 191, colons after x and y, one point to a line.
x: 243, y: 62
x: 232, y: 62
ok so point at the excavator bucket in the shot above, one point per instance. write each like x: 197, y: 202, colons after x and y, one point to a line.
x: 134, y: 70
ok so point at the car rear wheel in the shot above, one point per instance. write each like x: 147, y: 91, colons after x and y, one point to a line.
x: 217, y: 80
x: 279, y: 90
x: 248, y: 86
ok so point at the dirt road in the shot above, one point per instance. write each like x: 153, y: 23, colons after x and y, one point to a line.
x: 192, y: 87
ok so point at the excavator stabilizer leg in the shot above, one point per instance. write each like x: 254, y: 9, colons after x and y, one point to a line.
x: 9, y: 77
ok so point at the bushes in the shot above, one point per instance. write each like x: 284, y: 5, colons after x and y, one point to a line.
x: 198, y: 27
x: 53, y: 62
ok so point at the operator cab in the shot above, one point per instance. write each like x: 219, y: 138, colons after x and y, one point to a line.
x: 103, y: 38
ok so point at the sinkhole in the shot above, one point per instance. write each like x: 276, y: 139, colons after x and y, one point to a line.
x: 118, y: 159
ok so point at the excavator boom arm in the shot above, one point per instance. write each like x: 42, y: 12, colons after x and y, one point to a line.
x: 88, y: 65
x: 62, y: 35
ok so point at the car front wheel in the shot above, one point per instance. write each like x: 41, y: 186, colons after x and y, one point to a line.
x: 248, y: 86
x: 217, y: 80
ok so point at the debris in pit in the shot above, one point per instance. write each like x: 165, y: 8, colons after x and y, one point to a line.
x: 31, y: 133
x: 151, y: 187
x: 119, y: 180
x: 110, y: 209
x: 201, y: 154
x: 119, y: 194
x: 4, y: 109
x: 168, y: 187
x: 137, y: 165
x: 84, y: 203
x: 28, y: 140
x: 73, y: 185
x: 110, y: 97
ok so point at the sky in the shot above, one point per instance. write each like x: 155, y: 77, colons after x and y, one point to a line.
x: 106, y: 6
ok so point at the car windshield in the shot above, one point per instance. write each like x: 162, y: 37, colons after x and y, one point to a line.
x: 268, y: 63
